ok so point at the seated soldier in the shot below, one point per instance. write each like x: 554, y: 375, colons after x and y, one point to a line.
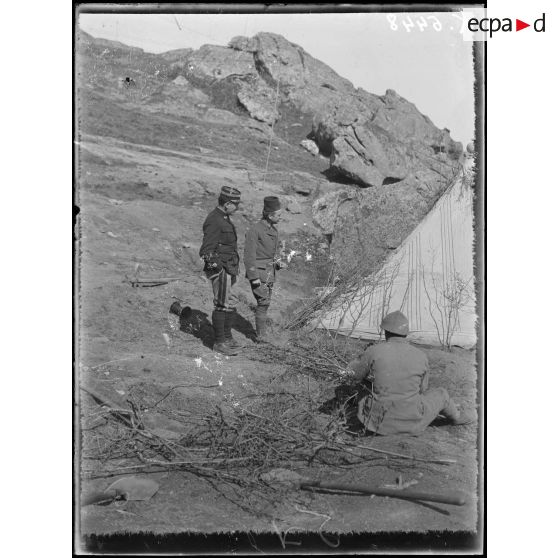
x: 399, y: 401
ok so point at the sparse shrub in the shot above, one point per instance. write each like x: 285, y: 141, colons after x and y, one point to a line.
x: 446, y: 299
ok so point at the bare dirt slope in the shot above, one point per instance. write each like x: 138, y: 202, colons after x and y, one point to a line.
x: 128, y: 343
x: 203, y: 381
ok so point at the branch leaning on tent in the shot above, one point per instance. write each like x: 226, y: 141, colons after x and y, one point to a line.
x: 345, y: 287
x: 351, y: 296
x: 362, y: 298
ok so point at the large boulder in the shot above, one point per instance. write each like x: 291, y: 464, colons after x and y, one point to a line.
x: 350, y: 162
x: 218, y: 62
x: 387, y: 140
x: 364, y: 224
x: 260, y: 103
x: 369, y: 155
x: 245, y: 44
x: 308, y: 83
x: 326, y: 208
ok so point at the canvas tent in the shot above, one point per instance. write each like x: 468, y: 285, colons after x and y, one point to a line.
x: 430, y: 278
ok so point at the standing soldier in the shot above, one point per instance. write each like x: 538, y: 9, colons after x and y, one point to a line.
x: 219, y: 251
x: 261, y: 259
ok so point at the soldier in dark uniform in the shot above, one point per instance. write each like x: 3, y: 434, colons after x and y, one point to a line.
x: 400, y: 401
x: 262, y: 260
x: 219, y: 251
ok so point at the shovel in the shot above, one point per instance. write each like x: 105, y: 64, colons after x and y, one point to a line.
x: 127, y: 488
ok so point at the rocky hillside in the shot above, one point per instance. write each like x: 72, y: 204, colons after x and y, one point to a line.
x: 379, y: 164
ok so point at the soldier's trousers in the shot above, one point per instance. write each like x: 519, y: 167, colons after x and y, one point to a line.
x: 410, y: 416
x: 224, y: 298
x: 263, y: 293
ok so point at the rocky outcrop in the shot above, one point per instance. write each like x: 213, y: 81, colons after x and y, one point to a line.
x: 371, y: 139
x: 181, y: 87
x: 364, y: 224
x: 177, y: 58
x: 259, y: 101
x: 217, y: 62
x: 400, y: 160
x: 369, y: 155
x: 179, y: 97
x: 326, y: 208
x: 388, y: 162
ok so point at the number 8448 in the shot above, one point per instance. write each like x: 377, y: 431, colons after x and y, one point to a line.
x: 409, y: 22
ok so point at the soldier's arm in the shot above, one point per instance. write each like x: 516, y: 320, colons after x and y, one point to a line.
x: 425, y: 377
x: 250, y: 254
x: 277, y: 258
x: 211, y: 234
x: 361, y: 366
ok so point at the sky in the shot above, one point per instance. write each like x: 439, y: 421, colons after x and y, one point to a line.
x: 424, y: 60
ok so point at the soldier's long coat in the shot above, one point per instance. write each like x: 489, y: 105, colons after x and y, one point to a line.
x: 399, y: 402
x: 220, y: 241
x: 261, y: 251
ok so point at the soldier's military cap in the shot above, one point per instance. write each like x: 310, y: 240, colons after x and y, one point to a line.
x: 396, y: 322
x: 232, y: 194
x: 271, y: 204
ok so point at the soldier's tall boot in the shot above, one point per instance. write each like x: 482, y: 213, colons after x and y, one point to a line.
x: 261, y: 324
x: 229, y: 339
x: 218, y: 319
x: 455, y: 415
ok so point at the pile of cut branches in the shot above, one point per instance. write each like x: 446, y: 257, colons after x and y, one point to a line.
x: 256, y: 433
x: 238, y: 439
x: 232, y: 445
x: 316, y: 357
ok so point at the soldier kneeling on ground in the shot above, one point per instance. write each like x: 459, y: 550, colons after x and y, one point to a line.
x: 397, y: 399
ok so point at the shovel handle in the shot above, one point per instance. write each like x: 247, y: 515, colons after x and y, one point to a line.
x: 101, y: 497
x: 452, y: 499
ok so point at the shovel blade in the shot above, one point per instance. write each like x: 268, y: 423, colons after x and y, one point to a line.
x: 134, y: 488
